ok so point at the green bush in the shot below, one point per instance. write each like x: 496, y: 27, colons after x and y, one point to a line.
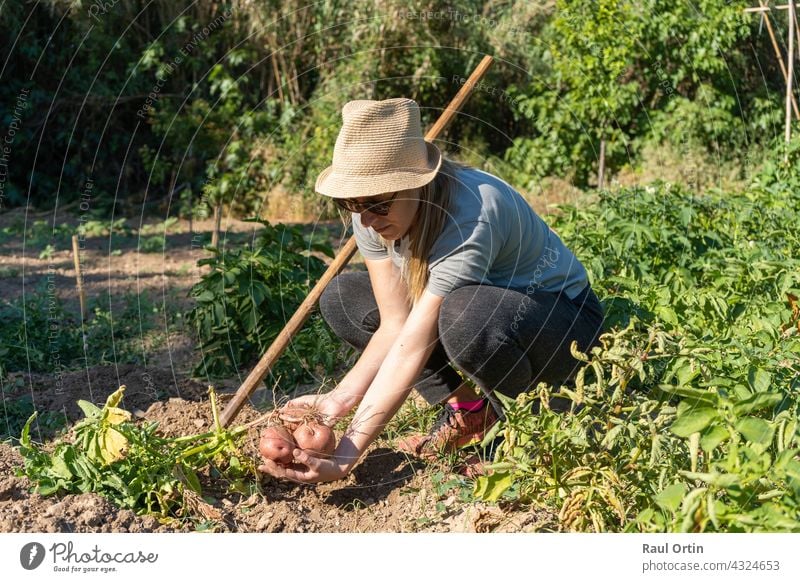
x: 632, y: 73
x: 247, y: 298
x: 256, y: 104
x: 37, y: 333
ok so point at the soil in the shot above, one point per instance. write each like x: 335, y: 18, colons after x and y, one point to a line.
x: 115, y: 266
x: 387, y: 492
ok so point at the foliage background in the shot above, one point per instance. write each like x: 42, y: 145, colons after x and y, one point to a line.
x: 254, y: 102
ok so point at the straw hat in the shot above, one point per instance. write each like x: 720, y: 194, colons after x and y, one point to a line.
x: 380, y: 149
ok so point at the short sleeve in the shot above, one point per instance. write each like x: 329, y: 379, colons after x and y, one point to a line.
x: 368, y: 242
x: 462, y: 256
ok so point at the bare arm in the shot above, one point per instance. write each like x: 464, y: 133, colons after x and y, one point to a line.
x: 392, y: 384
x: 391, y: 297
x: 390, y: 387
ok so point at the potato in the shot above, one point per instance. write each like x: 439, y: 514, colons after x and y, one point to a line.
x: 277, y: 444
x: 293, y: 416
x: 316, y: 439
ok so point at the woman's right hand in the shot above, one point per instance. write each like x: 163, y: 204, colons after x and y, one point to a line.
x: 332, y: 406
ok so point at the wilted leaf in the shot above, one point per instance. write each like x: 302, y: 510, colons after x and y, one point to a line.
x: 115, y: 397
x: 116, y: 416
x: 491, y: 487
x: 112, y: 445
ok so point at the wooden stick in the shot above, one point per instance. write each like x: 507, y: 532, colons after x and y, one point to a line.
x: 790, y: 81
x: 297, y: 320
x: 79, y: 275
x: 779, y: 56
x: 217, y: 224
x: 763, y: 8
x: 459, y: 99
x: 601, y: 170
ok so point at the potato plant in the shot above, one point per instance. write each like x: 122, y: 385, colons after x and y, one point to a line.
x: 685, y: 418
x: 133, y: 466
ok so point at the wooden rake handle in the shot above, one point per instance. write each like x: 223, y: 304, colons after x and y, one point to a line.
x: 297, y: 320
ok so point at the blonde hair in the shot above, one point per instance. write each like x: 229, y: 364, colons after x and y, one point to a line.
x: 434, y: 204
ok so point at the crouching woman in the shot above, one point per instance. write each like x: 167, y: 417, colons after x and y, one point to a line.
x: 461, y: 275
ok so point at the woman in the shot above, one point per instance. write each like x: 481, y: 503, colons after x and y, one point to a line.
x: 461, y: 274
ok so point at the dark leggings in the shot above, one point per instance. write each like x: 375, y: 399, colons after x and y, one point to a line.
x: 502, y: 339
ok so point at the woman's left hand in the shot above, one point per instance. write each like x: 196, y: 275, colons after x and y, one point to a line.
x: 305, y: 469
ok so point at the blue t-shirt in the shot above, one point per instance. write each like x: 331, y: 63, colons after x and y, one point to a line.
x: 491, y: 236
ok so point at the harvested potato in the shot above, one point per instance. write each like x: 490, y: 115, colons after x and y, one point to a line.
x: 277, y: 444
x: 315, y: 438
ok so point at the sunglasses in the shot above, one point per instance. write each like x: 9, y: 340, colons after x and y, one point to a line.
x: 379, y: 207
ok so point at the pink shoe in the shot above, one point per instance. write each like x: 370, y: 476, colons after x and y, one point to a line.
x: 453, y: 430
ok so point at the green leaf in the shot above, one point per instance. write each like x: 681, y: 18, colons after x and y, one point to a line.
x: 192, y: 480
x: 671, y: 497
x: 45, y: 490
x: 793, y: 476
x: 686, y: 374
x: 694, y: 395
x: 760, y: 380
x: 757, y: 402
x: 60, y: 466
x: 724, y: 480
x: 713, y: 436
x: 755, y: 430
x: 669, y: 316
x: 91, y: 411
x: 693, y: 421
x: 323, y: 248
x: 492, y: 434
x: 249, y: 320
x: 25, y: 437
x: 205, y: 297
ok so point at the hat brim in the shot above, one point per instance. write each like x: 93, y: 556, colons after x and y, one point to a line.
x: 329, y: 183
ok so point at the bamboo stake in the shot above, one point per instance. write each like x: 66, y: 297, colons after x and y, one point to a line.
x: 601, y: 170
x: 790, y: 81
x: 277, y: 75
x: 76, y: 257
x: 217, y: 224
x: 763, y: 8
x: 779, y: 55
x: 297, y: 320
